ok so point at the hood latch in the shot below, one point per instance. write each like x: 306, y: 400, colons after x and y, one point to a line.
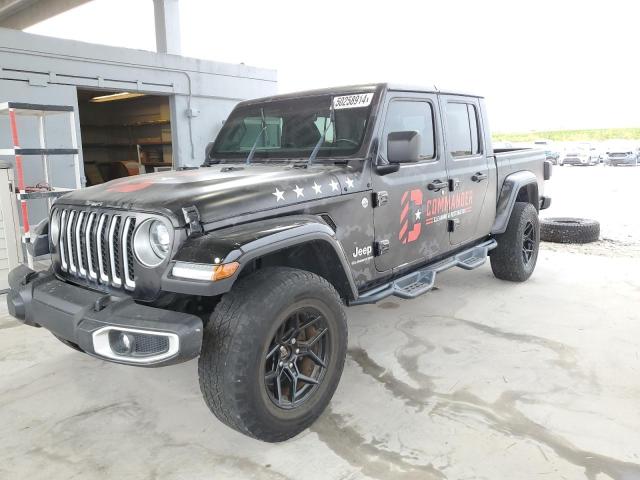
x: 192, y: 217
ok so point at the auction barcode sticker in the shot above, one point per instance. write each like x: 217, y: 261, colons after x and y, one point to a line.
x: 352, y: 101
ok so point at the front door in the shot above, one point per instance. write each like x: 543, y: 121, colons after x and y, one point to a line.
x: 412, y: 211
x: 467, y: 164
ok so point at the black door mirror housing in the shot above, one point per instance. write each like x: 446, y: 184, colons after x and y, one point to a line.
x: 403, y: 147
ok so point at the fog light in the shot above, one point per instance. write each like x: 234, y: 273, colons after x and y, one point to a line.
x: 135, y: 346
x: 122, y: 343
x: 126, y: 341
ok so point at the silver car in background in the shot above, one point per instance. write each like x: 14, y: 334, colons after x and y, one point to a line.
x: 580, y: 154
x: 623, y: 154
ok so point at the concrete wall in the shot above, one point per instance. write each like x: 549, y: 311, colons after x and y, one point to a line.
x: 201, y: 93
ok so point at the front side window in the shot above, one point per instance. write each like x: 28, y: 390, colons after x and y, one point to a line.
x: 291, y: 128
x: 408, y: 115
x: 462, y: 130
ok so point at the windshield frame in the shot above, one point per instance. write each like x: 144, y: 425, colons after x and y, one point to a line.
x: 259, y: 156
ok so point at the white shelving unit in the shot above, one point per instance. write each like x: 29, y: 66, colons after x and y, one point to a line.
x: 25, y: 193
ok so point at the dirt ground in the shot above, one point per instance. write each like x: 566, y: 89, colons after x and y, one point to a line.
x: 478, y: 379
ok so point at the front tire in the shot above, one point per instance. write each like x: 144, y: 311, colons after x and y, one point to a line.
x: 515, y: 257
x: 273, y: 352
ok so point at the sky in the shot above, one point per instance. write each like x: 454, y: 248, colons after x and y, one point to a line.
x: 560, y: 64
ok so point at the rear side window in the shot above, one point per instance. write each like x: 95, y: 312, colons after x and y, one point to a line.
x: 408, y: 115
x: 462, y: 130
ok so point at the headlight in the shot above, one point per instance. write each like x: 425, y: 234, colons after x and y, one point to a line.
x: 54, y: 227
x: 160, y: 239
x: 151, y: 242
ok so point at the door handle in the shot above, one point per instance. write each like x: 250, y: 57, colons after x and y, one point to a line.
x: 437, y: 185
x: 479, y: 176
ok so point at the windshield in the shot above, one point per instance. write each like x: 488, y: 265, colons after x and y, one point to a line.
x: 292, y: 128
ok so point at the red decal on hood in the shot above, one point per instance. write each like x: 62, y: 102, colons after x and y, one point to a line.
x: 130, y: 187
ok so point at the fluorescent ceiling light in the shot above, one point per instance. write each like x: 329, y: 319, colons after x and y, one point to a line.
x: 116, y: 96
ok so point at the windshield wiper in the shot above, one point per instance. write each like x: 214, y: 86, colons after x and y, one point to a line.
x: 314, y: 153
x: 255, y: 144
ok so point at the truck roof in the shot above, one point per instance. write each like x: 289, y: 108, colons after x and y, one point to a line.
x: 359, y: 89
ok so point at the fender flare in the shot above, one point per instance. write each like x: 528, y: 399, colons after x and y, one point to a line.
x: 246, y: 242
x: 508, y: 196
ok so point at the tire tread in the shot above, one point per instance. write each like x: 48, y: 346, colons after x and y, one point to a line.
x: 506, y: 260
x: 224, y: 392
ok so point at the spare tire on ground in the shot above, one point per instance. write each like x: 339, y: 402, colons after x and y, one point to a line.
x: 569, y: 230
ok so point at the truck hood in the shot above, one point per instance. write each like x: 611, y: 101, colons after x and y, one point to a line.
x: 221, y: 191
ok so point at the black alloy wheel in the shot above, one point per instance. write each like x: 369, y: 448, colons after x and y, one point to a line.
x: 297, y: 358
x: 528, y: 242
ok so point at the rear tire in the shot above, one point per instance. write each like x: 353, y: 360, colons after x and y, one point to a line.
x: 256, y: 372
x: 515, y: 257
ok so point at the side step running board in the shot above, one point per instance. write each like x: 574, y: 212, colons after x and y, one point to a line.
x: 421, y: 281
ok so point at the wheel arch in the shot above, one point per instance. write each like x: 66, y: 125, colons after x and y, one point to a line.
x: 305, y: 242
x: 313, y: 253
x: 517, y: 187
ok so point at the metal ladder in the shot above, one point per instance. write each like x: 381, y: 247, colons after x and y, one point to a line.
x: 25, y: 193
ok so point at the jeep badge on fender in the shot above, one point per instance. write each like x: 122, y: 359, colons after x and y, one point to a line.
x: 306, y: 203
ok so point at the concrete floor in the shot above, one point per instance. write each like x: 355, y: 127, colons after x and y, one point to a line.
x: 479, y: 379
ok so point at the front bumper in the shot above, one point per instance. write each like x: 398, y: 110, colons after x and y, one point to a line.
x: 93, y: 321
x: 615, y: 161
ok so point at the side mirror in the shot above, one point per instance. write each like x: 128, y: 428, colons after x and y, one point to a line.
x: 39, y: 244
x: 403, y: 147
x: 207, y: 150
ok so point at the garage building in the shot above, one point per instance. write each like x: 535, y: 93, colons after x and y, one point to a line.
x: 133, y: 111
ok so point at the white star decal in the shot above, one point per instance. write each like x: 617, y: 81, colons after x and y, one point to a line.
x: 316, y: 188
x: 299, y: 191
x: 349, y: 183
x: 334, y: 186
x: 418, y: 214
x: 279, y: 195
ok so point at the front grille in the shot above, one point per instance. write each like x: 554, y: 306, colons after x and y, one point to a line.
x: 150, y: 344
x: 618, y: 155
x: 97, y: 246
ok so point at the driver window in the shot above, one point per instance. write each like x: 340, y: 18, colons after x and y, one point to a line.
x: 409, y: 115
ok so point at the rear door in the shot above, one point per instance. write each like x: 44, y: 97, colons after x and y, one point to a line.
x: 467, y: 164
x: 406, y: 217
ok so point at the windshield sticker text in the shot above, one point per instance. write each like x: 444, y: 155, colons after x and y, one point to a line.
x: 352, y: 101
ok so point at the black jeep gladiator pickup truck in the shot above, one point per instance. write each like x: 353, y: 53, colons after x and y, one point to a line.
x: 305, y: 203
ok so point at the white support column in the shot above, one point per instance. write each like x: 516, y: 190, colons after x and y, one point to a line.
x: 167, y: 19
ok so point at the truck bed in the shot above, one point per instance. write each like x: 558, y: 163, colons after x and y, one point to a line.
x: 511, y: 160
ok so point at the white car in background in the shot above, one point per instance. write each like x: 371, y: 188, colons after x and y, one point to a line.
x: 583, y: 154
